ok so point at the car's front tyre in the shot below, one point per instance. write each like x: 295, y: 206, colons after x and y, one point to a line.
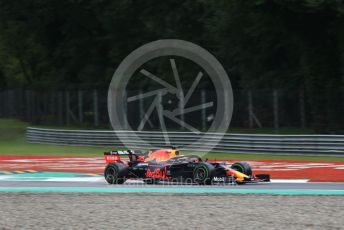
x: 242, y: 167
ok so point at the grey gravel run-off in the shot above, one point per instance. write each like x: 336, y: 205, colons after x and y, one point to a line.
x: 152, y: 211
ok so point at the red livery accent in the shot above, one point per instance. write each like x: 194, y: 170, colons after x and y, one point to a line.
x: 112, y: 158
x: 156, y: 173
x: 230, y: 173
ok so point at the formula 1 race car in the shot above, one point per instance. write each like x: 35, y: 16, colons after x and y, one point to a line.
x: 168, y: 165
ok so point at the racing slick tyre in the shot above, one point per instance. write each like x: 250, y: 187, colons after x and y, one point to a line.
x: 203, y: 173
x: 115, y: 173
x: 242, y: 167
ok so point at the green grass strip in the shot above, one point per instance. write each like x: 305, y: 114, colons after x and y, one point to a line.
x: 13, y: 142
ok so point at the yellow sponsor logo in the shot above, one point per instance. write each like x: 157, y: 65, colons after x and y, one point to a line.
x: 240, y: 176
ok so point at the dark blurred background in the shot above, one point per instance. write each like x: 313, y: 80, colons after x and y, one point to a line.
x: 285, y: 58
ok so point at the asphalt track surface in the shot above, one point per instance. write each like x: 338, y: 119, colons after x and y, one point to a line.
x: 94, y: 204
x: 169, y: 211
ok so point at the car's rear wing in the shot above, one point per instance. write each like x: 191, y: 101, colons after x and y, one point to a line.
x: 115, y: 156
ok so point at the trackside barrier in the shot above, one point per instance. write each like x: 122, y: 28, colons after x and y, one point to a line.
x: 326, y: 145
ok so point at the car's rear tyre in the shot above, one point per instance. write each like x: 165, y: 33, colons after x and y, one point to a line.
x: 204, y: 173
x: 115, y: 173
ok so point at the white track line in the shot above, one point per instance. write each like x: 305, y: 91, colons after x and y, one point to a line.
x: 76, y: 179
x: 286, y: 181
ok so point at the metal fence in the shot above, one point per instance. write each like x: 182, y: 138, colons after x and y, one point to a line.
x: 256, y: 108
x: 327, y: 145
